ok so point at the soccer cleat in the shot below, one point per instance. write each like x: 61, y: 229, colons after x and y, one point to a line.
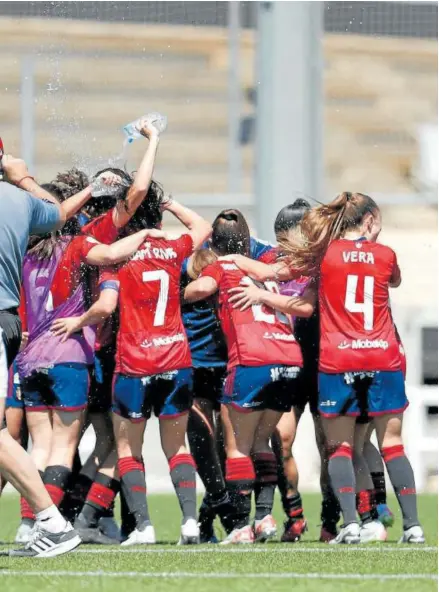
x: 328, y: 532
x: 265, y: 529
x: 24, y: 531
x: 47, y: 544
x: 372, y: 532
x: 190, y: 533
x: 240, y: 536
x: 146, y: 536
x: 348, y: 535
x: 206, y: 518
x: 293, y: 530
x: 385, y: 515
x: 109, y: 527
x: 93, y: 536
x: 414, y: 535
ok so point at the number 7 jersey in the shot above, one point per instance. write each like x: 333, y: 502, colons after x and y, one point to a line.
x: 257, y: 336
x: 356, y: 326
x: 151, y: 338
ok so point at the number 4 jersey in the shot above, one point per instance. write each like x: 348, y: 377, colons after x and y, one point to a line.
x: 255, y: 337
x: 357, y: 330
x: 151, y: 338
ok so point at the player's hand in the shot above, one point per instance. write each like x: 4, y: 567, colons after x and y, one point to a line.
x: 156, y: 233
x: 147, y: 129
x: 14, y: 168
x: 110, y: 179
x: 65, y: 327
x: 24, y: 340
x: 244, y: 297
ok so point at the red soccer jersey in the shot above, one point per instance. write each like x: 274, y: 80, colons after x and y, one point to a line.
x: 255, y: 337
x: 356, y: 326
x: 102, y: 228
x: 151, y: 338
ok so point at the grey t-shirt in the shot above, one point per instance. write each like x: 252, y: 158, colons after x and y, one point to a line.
x: 20, y: 216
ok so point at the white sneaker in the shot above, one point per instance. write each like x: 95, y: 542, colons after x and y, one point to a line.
x: 141, y: 537
x: 190, y: 533
x: 109, y: 527
x: 348, y: 535
x: 240, y: 536
x: 265, y: 529
x: 24, y: 531
x: 372, y: 532
x: 413, y: 535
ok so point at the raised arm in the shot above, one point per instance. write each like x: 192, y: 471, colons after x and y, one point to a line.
x: 121, y: 250
x: 200, y: 289
x: 124, y: 211
x: 199, y: 228
x: 260, y: 271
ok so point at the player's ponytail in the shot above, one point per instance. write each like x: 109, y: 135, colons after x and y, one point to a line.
x: 199, y: 260
x: 230, y: 233
x: 323, y: 224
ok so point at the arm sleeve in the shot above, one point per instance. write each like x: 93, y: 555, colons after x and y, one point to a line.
x: 102, y: 229
x: 214, y: 270
x: 185, y: 246
x: 44, y: 216
x: 87, y: 243
x: 268, y: 256
x: 109, y: 278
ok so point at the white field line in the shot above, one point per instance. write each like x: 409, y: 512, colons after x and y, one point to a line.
x: 268, y: 549
x: 213, y: 576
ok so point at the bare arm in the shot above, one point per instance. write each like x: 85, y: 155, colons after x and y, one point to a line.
x: 102, y: 255
x: 199, y: 228
x: 200, y: 289
x: 96, y: 314
x: 260, y: 271
x: 299, y: 306
x: 124, y: 211
x: 396, y: 279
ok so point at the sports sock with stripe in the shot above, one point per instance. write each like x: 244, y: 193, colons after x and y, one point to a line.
x: 341, y: 472
x: 403, y: 481
x: 265, y: 466
x: 240, y: 479
x: 133, y: 484
x: 55, y: 479
x: 183, y: 475
x: 366, y: 506
x: 99, y: 499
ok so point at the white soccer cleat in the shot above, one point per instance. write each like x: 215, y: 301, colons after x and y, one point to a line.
x: 414, y: 535
x: 348, y: 535
x: 108, y: 526
x: 265, y: 529
x: 24, y: 531
x: 240, y: 536
x: 141, y: 537
x: 190, y: 533
x: 373, y: 532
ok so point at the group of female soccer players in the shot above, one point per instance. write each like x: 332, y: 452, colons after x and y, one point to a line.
x: 225, y: 339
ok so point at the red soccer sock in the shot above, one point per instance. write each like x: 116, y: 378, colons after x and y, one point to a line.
x: 26, y: 510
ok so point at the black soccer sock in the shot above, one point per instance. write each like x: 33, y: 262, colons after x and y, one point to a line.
x: 293, y: 506
x: 330, y: 512
x: 74, y: 500
x: 183, y: 474
x: 403, y: 481
x: 265, y: 483
x: 203, y: 445
x: 240, y: 479
x: 128, y: 521
x: 55, y: 480
x: 341, y: 472
x: 379, y: 484
x: 366, y: 506
x: 133, y: 484
x: 99, y: 499
x: 376, y: 468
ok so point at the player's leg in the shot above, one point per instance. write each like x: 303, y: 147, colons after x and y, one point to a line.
x: 129, y: 421
x: 265, y: 465
x: 389, y: 435
x: 330, y: 512
x: 376, y: 468
x: 171, y: 395
x: 371, y: 528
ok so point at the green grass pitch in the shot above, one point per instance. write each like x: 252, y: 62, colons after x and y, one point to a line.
x: 302, y: 567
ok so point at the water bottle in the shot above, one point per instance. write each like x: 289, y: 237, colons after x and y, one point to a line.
x: 159, y: 121
x: 99, y: 188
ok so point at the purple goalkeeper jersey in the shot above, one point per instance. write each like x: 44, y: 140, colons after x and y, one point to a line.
x: 294, y: 287
x: 44, y: 349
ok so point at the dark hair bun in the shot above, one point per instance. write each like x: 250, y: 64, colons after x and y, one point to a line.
x: 230, y: 216
x: 301, y: 203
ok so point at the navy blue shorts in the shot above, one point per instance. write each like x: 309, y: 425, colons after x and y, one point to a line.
x: 208, y: 384
x: 14, y: 399
x: 168, y: 395
x: 101, y: 381
x: 64, y: 387
x: 255, y: 388
x: 361, y: 394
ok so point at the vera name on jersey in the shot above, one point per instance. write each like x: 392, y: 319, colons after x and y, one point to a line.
x: 148, y: 252
x: 358, y: 257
